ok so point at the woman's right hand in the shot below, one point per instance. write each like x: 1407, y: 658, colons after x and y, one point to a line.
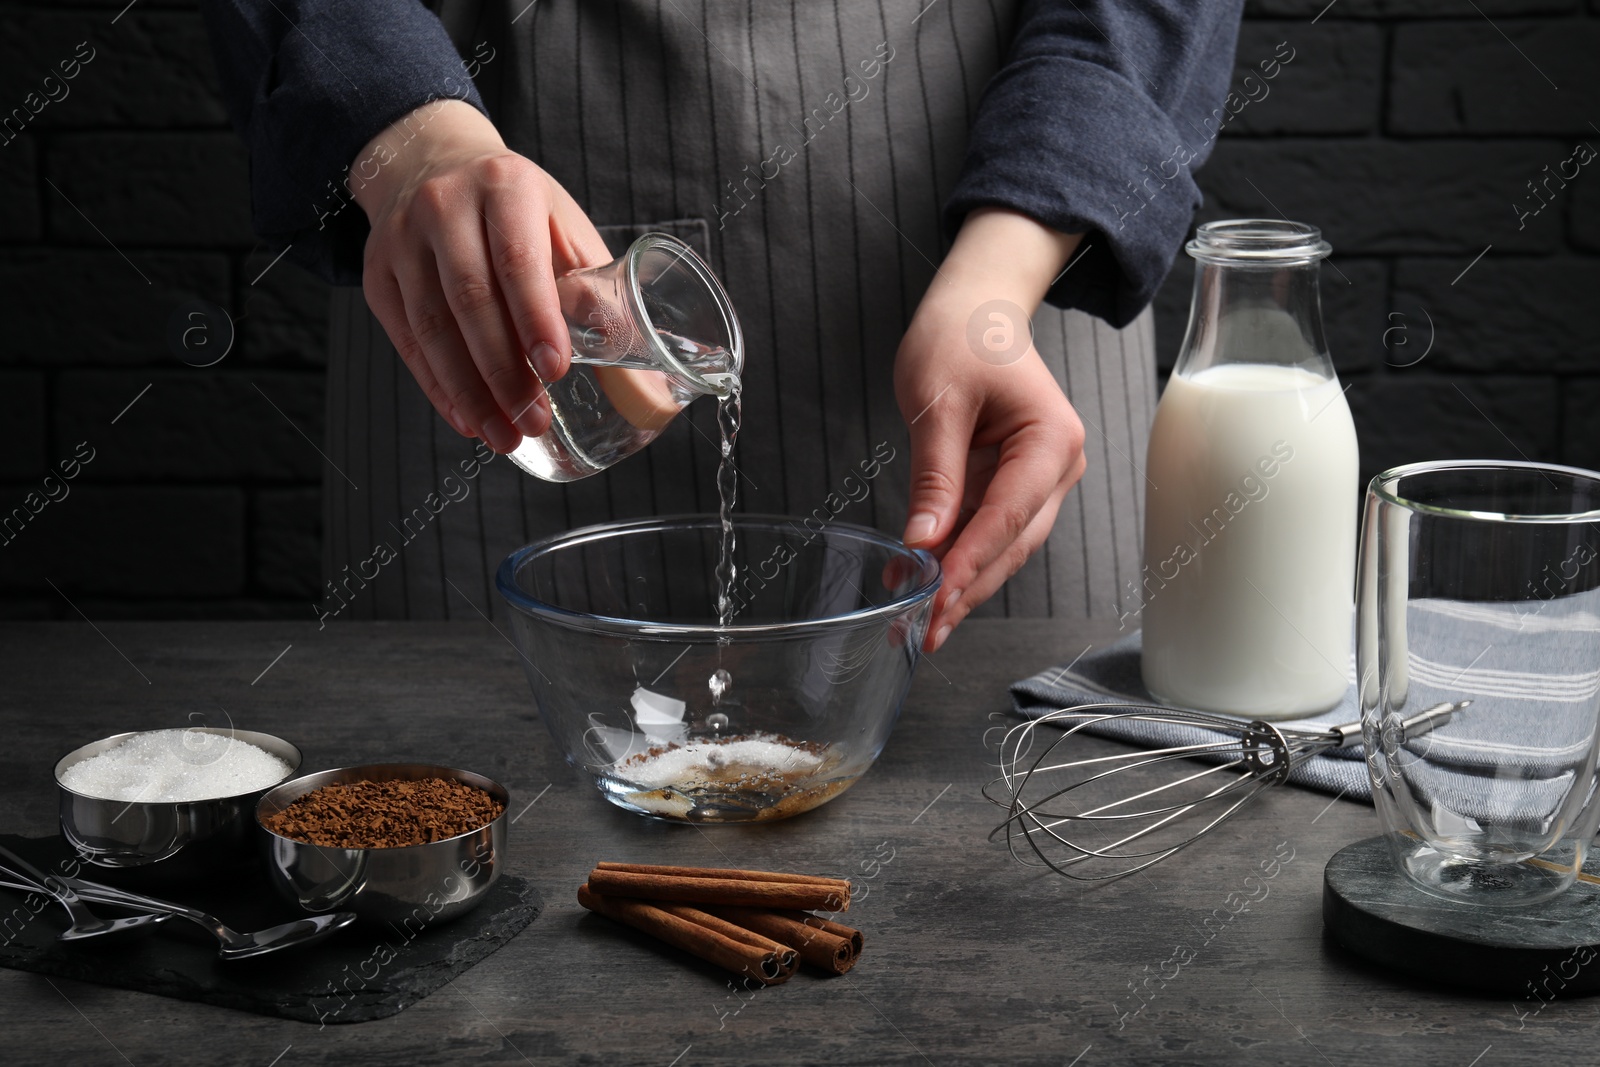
x: 467, y: 238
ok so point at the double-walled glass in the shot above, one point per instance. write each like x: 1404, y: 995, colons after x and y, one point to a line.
x: 1480, y: 581
x: 674, y: 716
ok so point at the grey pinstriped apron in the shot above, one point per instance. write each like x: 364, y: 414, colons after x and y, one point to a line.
x: 755, y: 132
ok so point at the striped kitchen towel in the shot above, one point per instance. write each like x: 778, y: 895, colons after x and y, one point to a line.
x: 1532, y: 672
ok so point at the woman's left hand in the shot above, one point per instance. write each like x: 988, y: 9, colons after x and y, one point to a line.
x: 995, y: 444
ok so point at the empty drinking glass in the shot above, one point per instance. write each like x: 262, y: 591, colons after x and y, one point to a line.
x: 651, y: 331
x: 1480, y: 581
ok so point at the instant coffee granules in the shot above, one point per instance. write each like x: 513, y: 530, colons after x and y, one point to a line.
x: 391, y: 814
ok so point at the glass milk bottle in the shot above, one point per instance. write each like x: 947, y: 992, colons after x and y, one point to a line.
x: 651, y: 331
x: 1250, y: 519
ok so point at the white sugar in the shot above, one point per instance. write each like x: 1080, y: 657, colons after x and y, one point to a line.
x: 712, y: 761
x: 169, y: 766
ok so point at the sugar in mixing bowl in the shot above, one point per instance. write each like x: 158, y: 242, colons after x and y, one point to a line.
x: 677, y: 717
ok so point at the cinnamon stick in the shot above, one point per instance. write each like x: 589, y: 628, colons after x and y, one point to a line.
x: 713, y: 939
x: 826, y: 945
x: 722, y: 872
x: 849, y: 933
x: 723, y: 887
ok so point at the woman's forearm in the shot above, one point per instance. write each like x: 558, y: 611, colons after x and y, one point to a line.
x: 416, y: 144
x: 1006, y: 253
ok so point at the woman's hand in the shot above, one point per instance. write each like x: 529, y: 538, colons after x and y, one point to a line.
x: 467, y: 238
x: 994, y: 443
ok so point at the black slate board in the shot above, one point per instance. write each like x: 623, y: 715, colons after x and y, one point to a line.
x: 363, y: 972
x: 1373, y: 911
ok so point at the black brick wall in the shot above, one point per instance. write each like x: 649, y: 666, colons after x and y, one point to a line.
x: 1407, y: 129
x: 121, y: 202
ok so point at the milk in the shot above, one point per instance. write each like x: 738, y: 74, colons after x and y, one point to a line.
x: 1250, y: 532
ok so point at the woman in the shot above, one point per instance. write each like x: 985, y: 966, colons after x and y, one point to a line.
x: 817, y: 155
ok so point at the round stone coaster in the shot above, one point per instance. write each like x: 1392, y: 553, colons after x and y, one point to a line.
x: 1372, y: 910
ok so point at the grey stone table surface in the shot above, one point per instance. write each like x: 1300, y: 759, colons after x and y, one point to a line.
x: 970, y: 958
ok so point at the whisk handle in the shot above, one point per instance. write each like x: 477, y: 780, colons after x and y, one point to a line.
x: 1430, y: 719
x: 1346, y: 734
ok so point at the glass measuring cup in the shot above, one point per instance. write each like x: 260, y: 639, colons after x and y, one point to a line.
x: 651, y: 331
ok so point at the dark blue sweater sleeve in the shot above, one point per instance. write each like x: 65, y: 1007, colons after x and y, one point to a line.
x: 307, y: 84
x: 1093, y: 125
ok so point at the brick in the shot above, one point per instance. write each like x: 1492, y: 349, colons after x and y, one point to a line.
x: 1353, y: 311
x: 1349, y: 9
x: 22, y: 429
x: 1466, y: 78
x: 1580, y: 423
x: 151, y: 69
x: 1551, y: 191
x: 129, y: 318
x: 20, y: 217
x: 1410, y: 416
x: 149, y: 189
x: 1381, y: 197
x: 1583, y: 214
x: 286, y: 525
x: 144, y: 541
x: 1331, y: 85
x: 195, y: 425
x: 284, y: 314
x: 1508, y: 313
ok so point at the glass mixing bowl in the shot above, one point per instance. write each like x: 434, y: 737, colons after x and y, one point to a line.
x: 678, y: 718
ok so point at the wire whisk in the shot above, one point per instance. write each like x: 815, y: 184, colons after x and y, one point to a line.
x: 1084, y: 812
